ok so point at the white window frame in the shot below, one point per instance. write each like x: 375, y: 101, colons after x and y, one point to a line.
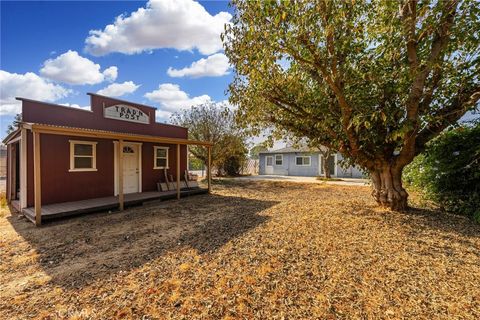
x: 266, y: 161
x: 93, y: 156
x: 155, y: 148
x: 303, y: 163
x: 275, y: 160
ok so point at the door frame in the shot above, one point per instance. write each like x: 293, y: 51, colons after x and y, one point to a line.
x: 267, y: 166
x: 12, y: 170
x: 12, y: 177
x: 115, y: 164
x: 335, y: 164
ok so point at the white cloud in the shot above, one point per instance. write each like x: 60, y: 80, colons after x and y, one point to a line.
x: 162, y: 116
x: 227, y: 104
x: 74, y: 105
x: 28, y: 85
x: 111, y: 73
x: 213, y: 66
x: 72, y: 68
x: 119, y: 89
x: 172, y: 99
x: 178, y: 24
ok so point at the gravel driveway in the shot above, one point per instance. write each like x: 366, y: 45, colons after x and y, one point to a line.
x: 344, y: 182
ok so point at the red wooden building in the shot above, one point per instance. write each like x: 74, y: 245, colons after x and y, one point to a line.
x: 63, y: 160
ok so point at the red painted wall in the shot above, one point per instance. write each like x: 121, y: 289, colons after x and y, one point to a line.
x: 44, y: 113
x: 60, y: 185
x: 151, y: 176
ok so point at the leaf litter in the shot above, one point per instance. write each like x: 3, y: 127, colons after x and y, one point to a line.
x: 256, y: 250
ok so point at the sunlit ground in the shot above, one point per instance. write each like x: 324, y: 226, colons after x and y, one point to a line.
x: 261, y: 250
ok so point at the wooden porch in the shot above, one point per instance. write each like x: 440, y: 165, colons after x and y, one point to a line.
x: 65, y: 209
x: 40, y: 212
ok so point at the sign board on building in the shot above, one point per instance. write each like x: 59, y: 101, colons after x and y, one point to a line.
x: 126, y: 113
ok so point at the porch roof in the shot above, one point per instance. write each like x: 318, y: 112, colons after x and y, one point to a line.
x: 84, y: 132
x: 12, y: 135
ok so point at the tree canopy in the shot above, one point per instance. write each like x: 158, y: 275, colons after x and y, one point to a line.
x: 375, y: 80
x: 254, y: 152
x: 14, y: 125
x: 215, y: 122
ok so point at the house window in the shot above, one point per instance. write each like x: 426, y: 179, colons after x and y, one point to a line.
x: 160, y: 155
x: 269, y: 161
x: 128, y: 149
x: 302, y: 160
x: 83, y: 156
x: 278, y: 159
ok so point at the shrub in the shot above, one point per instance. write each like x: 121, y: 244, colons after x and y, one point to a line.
x: 232, y: 165
x: 448, y: 172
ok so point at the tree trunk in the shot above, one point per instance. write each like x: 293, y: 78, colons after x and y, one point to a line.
x: 325, y: 155
x: 387, y: 188
x: 326, y: 169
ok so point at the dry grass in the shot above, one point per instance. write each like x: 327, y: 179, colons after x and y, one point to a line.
x: 251, y: 250
x: 3, y: 204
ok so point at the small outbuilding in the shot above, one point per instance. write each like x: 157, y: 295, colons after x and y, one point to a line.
x: 65, y: 160
x: 304, y: 162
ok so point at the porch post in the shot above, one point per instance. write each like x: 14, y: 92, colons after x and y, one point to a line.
x: 13, y: 178
x: 209, y: 169
x: 37, y: 178
x: 120, y: 175
x: 9, y: 172
x: 23, y: 169
x: 178, y: 171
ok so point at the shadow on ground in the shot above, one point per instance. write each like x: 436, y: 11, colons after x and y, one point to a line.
x: 442, y: 221
x: 78, y: 250
x: 419, y: 220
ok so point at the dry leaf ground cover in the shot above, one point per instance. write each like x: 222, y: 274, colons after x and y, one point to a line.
x: 260, y: 250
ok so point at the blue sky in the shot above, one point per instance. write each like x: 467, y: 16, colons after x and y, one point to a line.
x: 50, y: 52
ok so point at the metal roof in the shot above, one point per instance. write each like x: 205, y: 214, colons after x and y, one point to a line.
x: 11, y: 136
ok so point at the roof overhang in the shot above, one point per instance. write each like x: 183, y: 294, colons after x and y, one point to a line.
x: 11, y: 136
x: 101, y: 134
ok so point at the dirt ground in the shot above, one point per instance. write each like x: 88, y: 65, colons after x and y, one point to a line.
x: 279, y: 178
x: 264, y: 250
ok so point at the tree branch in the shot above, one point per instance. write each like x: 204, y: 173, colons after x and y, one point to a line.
x: 448, y: 116
x: 439, y: 43
x: 409, y: 14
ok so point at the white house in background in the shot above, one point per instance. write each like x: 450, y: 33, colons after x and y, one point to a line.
x: 306, y: 162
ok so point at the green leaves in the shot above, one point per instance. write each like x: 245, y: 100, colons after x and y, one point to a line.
x: 348, y: 81
x: 449, y: 171
x: 214, y: 122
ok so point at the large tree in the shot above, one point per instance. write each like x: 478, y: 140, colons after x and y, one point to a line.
x: 215, y: 122
x: 375, y: 80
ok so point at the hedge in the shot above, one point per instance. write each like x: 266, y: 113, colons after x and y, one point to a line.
x: 448, y: 172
